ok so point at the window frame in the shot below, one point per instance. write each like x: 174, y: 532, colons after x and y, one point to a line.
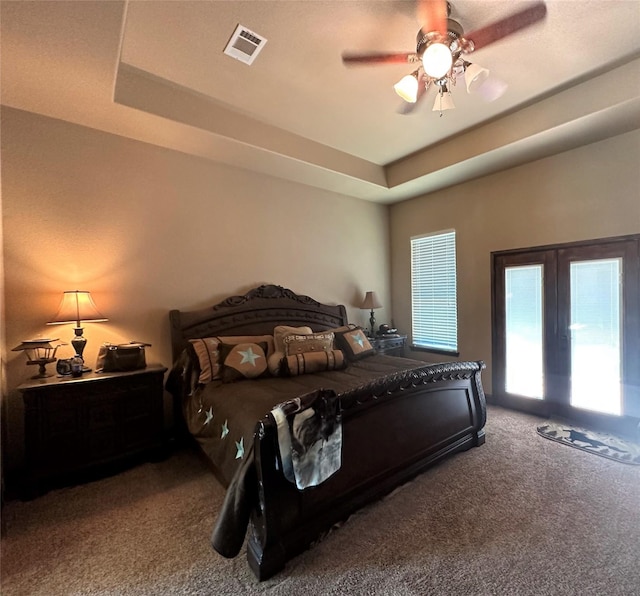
x: 424, y: 344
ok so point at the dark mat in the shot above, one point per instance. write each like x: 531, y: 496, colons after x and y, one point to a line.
x: 603, y: 444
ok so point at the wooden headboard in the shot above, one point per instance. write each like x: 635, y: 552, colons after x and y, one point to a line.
x: 255, y: 313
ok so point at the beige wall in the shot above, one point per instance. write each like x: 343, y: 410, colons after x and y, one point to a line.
x: 147, y: 229
x: 591, y: 192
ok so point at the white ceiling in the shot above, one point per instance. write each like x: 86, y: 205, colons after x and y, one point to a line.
x: 155, y: 71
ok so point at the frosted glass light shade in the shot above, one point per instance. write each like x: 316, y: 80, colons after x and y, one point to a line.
x: 437, y: 60
x: 474, y: 76
x: 407, y: 88
x: 443, y: 102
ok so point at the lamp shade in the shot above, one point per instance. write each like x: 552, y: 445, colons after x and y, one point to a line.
x: 474, y: 76
x: 370, y: 301
x: 443, y: 101
x: 407, y: 88
x: 77, y: 306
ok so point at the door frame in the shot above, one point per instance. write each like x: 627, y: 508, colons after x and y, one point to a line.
x: 552, y: 257
x: 536, y: 256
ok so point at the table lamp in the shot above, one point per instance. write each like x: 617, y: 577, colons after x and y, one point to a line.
x: 77, y: 306
x: 371, y: 302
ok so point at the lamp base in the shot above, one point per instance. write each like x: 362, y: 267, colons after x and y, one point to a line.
x: 372, y: 322
x: 78, y: 342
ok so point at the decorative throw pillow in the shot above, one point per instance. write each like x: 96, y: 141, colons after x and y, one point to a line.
x: 281, y: 331
x: 274, y: 363
x: 250, y: 339
x: 354, y: 344
x: 183, y: 378
x: 277, y: 356
x: 312, y: 342
x: 208, y: 352
x: 311, y: 362
x: 208, y: 357
x: 243, y: 361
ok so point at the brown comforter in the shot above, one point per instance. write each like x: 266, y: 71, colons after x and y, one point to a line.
x: 223, y: 418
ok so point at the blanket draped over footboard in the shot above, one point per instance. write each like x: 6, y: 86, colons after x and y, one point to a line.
x: 231, y: 525
x: 309, y: 437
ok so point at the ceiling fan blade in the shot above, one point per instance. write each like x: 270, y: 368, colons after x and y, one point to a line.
x: 432, y: 15
x: 408, y: 107
x: 499, y: 29
x: 380, y: 58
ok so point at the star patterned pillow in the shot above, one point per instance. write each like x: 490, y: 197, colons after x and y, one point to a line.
x: 243, y: 361
x: 354, y: 344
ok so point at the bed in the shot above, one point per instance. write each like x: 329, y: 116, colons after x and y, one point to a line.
x: 382, y: 419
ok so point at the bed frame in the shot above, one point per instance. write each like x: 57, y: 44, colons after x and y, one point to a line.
x: 390, y: 434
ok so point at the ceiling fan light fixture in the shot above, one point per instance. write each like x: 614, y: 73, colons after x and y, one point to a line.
x: 407, y: 87
x: 437, y: 60
x: 474, y: 76
x: 441, y: 45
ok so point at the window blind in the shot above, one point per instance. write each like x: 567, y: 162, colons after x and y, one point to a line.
x: 434, y: 312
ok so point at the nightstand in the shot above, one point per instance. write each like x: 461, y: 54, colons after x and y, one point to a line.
x: 76, y: 425
x: 391, y: 345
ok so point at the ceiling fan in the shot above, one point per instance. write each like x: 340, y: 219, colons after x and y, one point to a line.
x: 441, y: 51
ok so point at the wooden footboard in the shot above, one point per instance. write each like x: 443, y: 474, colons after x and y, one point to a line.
x: 387, y: 440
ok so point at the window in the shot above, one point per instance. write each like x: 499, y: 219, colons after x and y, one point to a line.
x: 524, y: 330
x: 433, y: 292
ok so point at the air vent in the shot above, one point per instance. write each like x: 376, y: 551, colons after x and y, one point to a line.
x: 244, y: 45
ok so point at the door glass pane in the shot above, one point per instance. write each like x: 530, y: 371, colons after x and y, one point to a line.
x: 523, y: 308
x: 595, y: 335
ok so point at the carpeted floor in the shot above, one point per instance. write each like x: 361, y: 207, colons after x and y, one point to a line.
x: 520, y: 515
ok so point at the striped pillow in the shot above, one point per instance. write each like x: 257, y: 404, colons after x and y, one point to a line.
x: 311, y: 362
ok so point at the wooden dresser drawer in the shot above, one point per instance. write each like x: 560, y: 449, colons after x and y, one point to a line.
x: 75, y: 424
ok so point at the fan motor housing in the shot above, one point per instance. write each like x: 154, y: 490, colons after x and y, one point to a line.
x: 454, y: 32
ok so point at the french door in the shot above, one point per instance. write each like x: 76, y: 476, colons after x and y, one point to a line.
x: 566, y: 330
